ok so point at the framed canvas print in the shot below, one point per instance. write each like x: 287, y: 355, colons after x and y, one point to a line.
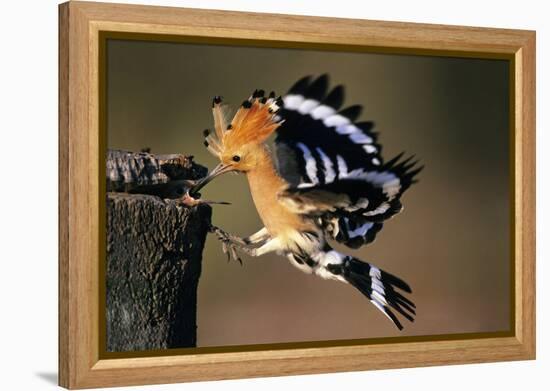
x: 381, y: 211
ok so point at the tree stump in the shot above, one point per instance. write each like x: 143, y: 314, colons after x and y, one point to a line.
x: 154, y: 251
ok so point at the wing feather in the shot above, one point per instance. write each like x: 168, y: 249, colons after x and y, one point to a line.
x: 334, y: 166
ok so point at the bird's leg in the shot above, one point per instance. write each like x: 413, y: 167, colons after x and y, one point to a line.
x: 259, y: 237
x: 267, y: 246
x: 255, y: 239
x: 232, y: 243
x: 270, y: 245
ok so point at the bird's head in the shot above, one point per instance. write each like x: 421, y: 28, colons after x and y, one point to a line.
x: 239, y: 144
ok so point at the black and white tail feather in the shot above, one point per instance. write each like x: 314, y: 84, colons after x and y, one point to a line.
x: 339, y: 180
x: 380, y: 287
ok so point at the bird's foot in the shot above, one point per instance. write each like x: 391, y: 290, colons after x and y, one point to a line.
x: 226, y: 236
x: 230, y: 244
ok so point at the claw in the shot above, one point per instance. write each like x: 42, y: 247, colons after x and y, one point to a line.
x: 226, y: 251
x: 235, y: 255
x: 230, y: 243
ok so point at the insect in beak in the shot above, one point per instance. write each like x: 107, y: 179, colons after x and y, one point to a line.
x: 188, y: 200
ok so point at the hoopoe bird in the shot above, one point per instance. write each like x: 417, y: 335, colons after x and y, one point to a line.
x: 327, y: 182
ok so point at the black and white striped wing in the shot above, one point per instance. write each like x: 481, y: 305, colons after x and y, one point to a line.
x: 334, y: 166
x: 318, y: 131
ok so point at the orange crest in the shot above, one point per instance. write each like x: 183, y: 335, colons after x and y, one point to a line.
x: 253, y: 123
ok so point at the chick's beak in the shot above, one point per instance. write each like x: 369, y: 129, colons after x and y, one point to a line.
x: 217, y: 171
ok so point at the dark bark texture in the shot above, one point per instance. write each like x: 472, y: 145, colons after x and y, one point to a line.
x: 166, y: 176
x: 154, y: 251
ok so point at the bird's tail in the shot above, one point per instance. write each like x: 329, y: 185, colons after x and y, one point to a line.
x: 380, y: 287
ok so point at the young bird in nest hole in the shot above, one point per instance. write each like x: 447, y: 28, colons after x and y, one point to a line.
x: 328, y: 181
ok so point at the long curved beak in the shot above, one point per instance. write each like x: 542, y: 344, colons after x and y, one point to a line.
x: 217, y: 171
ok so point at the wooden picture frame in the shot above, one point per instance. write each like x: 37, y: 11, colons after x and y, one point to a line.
x: 81, y: 25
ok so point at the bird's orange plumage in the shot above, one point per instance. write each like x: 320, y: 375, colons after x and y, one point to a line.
x: 251, y: 126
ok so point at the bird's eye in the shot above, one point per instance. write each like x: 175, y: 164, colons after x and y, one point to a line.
x: 236, y: 158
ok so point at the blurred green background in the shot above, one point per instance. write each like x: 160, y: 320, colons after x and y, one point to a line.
x: 451, y: 243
